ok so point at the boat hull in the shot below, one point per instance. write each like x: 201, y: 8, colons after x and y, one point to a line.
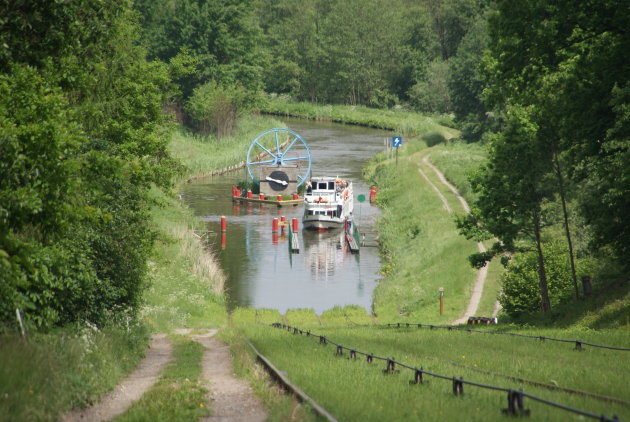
x: 322, y: 223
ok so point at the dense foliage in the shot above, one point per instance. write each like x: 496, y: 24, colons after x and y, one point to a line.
x: 547, y: 86
x: 368, y: 52
x: 559, y: 75
x: 80, y: 143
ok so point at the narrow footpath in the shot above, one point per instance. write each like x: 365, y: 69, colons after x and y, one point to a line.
x: 482, y: 274
x: 230, y: 398
x: 131, y: 389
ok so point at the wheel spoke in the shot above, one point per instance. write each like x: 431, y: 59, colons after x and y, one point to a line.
x: 257, y: 163
x: 301, y: 155
x: 295, y: 159
x: 266, y: 150
x: 290, y: 145
x: 279, y: 153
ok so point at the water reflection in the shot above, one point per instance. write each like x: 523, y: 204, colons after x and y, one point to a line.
x: 261, y: 270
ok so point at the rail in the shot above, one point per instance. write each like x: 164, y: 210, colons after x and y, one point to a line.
x: 579, y: 344
x: 515, y: 397
x: 284, y: 380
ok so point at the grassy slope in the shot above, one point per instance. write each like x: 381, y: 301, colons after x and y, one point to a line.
x: 403, y: 122
x: 355, y: 390
x: 422, y: 248
x: 46, y: 374
x: 203, y: 154
x: 186, y: 283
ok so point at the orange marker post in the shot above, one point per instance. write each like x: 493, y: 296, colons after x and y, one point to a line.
x: 223, y: 224
x: 295, y: 225
x: 274, y: 225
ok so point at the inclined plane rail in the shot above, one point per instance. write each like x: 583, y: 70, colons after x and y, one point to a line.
x: 578, y: 343
x: 515, y: 397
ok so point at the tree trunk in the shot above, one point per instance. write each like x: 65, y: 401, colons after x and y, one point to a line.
x: 545, y: 304
x: 566, y: 223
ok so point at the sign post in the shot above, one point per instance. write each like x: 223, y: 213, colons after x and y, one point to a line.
x: 396, y: 143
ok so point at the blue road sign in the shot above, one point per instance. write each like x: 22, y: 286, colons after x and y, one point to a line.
x: 396, y: 141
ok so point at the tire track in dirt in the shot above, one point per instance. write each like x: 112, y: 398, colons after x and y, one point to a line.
x: 131, y: 389
x: 230, y: 398
x: 482, y: 274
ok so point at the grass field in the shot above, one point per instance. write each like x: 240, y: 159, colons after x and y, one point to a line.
x: 355, y: 390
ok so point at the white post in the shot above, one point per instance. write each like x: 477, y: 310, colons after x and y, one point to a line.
x: 19, y: 318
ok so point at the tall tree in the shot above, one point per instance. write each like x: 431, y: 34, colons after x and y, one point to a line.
x: 511, y: 188
x: 80, y: 119
x: 570, y: 60
x: 222, y: 36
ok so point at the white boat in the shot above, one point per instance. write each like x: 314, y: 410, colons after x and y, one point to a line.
x: 328, y: 203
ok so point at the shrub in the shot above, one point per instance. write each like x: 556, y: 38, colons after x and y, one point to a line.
x: 520, y: 295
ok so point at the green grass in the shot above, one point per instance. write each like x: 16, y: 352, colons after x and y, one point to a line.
x: 403, y: 122
x: 178, y: 395
x: 356, y: 390
x: 186, y: 282
x: 458, y: 160
x: 203, y: 154
x: 47, y: 374
x: 422, y: 250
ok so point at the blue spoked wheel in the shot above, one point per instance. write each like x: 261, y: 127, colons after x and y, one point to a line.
x: 279, y: 147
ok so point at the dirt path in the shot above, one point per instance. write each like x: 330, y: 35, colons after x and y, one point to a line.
x: 477, y: 290
x: 132, y: 388
x: 231, y: 399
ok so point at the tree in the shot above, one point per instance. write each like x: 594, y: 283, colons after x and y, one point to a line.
x: 222, y: 36
x: 466, y: 83
x: 511, y: 188
x: 80, y: 118
x: 570, y: 61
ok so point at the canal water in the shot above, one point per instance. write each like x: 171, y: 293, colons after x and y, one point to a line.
x: 262, y: 273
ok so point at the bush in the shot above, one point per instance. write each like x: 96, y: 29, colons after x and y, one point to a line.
x: 215, y: 108
x: 520, y: 295
x: 433, y: 138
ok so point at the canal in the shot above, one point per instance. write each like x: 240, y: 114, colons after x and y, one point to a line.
x: 262, y: 273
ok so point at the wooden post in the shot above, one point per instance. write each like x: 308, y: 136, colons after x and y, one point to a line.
x: 441, y: 290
